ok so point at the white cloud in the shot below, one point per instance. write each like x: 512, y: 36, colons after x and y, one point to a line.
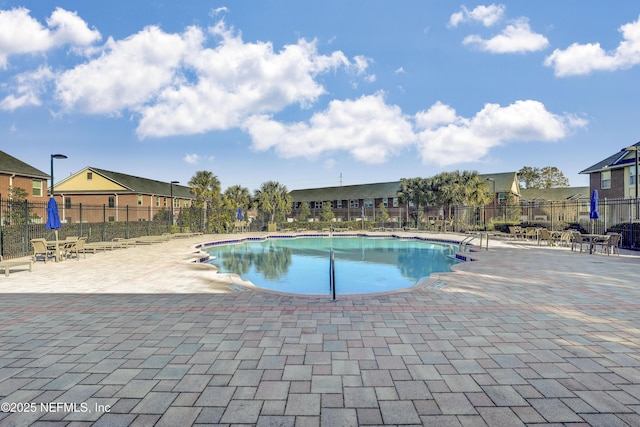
x: 22, y: 34
x: 192, y: 159
x: 129, y: 73
x: 487, y: 15
x: 368, y: 128
x: 448, y: 139
x: 515, y: 38
x: 582, y: 59
x: 28, y: 88
x: 237, y: 79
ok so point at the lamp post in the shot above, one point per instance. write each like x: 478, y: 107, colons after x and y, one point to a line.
x: 635, y: 178
x: 171, y: 198
x: 55, y: 156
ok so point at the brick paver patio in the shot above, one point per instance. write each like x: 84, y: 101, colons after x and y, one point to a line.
x: 527, y: 335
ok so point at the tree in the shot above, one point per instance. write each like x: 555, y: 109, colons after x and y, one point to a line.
x: 546, y: 177
x: 273, y: 201
x: 20, y: 210
x: 303, y: 212
x: 383, y: 214
x: 418, y: 192
x: 465, y: 188
x: 205, y: 186
x: 552, y: 177
x: 327, y: 213
x: 238, y: 197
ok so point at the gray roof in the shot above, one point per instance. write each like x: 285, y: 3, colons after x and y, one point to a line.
x: 555, y: 194
x: 614, y: 161
x: 503, y: 182
x: 138, y: 185
x: 10, y: 165
x: 347, y: 192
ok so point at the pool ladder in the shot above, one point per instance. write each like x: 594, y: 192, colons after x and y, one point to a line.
x: 465, y: 243
x: 332, y: 275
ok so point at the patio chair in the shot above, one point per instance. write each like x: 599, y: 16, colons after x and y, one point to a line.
x: 612, y: 244
x: 567, y: 239
x: 515, y: 232
x: 67, y: 244
x: 40, y: 248
x: 579, y: 240
x: 544, y: 234
x: 76, y: 247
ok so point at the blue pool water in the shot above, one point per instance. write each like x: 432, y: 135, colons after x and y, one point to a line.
x: 362, y: 265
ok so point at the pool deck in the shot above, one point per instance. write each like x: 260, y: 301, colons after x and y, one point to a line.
x: 525, y: 335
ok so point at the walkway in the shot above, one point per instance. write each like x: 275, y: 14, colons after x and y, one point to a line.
x: 528, y: 335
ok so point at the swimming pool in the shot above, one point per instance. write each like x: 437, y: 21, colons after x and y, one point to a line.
x: 362, y: 264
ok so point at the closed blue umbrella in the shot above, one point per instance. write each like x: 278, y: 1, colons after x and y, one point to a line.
x: 53, y: 218
x: 239, y: 215
x: 593, y: 213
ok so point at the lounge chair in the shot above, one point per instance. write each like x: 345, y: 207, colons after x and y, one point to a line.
x: 7, y: 265
x: 40, y: 248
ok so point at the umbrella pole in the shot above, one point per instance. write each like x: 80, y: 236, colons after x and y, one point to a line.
x: 57, y: 246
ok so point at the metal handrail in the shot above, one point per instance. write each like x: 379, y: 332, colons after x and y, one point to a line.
x: 332, y: 275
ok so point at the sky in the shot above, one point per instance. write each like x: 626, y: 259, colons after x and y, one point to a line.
x: 318, y: 93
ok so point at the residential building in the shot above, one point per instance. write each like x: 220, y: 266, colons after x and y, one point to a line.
x: 616, y: 176
x: 113, y: 196
x: 16, y: 174
x: 354, y: 202
x: 568, y: 204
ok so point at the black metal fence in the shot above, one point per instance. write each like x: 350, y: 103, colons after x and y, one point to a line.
x: 616, y: 215
x: 21, y: 221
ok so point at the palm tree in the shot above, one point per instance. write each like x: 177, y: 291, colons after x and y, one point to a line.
x: 239, y: 197
x: 205, y: 186
x: 418, y: 191
x: 273, y: 200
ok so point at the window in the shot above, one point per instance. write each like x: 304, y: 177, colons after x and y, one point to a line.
x: 502, y: 198
x: 395, y: 202
x: 89, y: 176
x: 385, y: 202
x: 139, y: 199
x: 354, y: 203
x: 318, y: 205
x: 112, y: 201
x: 157, y: 201
x: 339, y: 204
x: 36, y: 187
x: 164, y: 202
x: 368, y: 203
x: 67, y: 202
x: 176, y: 203
x: 632, y: 175
x: 605, y: 179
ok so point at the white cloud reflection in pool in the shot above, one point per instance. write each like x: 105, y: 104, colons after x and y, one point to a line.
x: 362, y: 264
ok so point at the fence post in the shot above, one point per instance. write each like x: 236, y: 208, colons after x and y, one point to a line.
x: 126, y: 235
x: 2, y: 212
x: 80, y: 215
x: 104, y: 222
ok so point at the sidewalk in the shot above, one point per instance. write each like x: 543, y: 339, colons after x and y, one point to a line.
x: 525, y: 335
